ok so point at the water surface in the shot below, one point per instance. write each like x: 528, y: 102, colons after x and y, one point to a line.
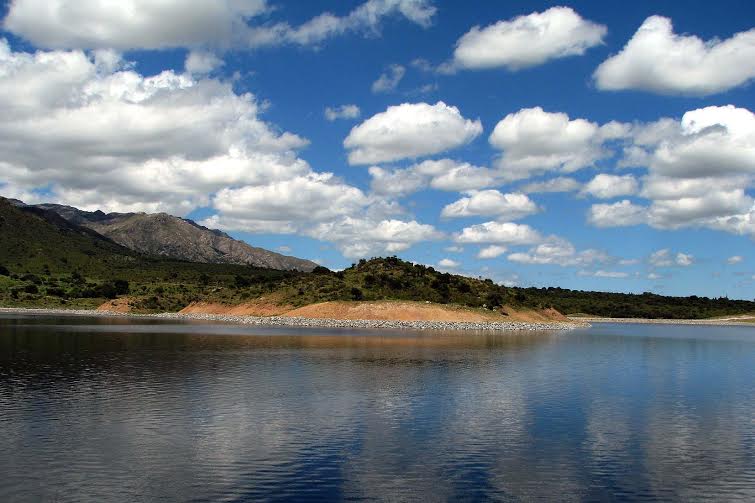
x: 105, y: 409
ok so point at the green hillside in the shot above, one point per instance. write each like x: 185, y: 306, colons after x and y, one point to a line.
x: 46, y: 261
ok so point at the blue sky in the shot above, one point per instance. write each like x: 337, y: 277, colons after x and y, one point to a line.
x: 446, y: 122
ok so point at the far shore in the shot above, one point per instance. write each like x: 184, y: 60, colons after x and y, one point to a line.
x: 298, y: 321
x: 741, y: 321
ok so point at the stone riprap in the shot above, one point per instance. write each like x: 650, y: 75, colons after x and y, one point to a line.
x: 286, y: 321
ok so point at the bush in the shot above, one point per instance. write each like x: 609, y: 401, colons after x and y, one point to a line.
x: 121, y: 286
x: 356, y: 294
x: 4, y: 271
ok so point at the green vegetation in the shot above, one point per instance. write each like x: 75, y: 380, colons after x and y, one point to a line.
x: 47, y: 262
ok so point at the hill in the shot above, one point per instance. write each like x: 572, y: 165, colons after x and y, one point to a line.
x: 48, y: 261
x: 165, y: 235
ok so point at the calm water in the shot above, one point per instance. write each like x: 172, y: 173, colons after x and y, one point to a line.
x: 116, y: 410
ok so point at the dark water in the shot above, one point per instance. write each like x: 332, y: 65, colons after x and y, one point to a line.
x: 108, y: 410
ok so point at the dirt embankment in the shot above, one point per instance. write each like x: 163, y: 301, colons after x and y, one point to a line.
x: 376, y: 310
x: 119, y: 305
x: 257, y: 307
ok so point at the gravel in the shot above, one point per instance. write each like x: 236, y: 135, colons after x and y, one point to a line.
x: 662, y: 321
x: 285, y: 321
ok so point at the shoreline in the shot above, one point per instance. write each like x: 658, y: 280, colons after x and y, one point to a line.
x: 297, y: 321
x: 726, y: 322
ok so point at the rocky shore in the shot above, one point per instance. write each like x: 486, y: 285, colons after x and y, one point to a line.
x: 286, y: 321
x: 660, y: 321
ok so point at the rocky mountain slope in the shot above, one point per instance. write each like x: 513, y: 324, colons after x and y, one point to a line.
x: 165, y: 235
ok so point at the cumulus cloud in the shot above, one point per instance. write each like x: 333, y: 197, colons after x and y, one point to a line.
x: 699, y: 171
x: 389, y: 80
x: 558, y: 251
x: 450, y: 175
x: 600, y: 273
x: 620, y: 214
x: 363, y: 237
x: 665, y: 258
x: 492, y: 251
x: 160, y: 143
x: 145, y: 24
x: 526, y: 41
x: 512, y: 206
x: 409, y: 130
x: 447, y: 263
x: 658, y: 60
x: 300, y: 200
x: 558, y: 184
x: 202, y: 62
x: 605, y: 186
x: 504, y: 233
x: 534, y: 142
x: 441, y: 174
x: 684, y: 259
x: 342, y: 112
x: 734, y: 259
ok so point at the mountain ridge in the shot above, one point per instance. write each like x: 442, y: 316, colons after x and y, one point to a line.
x: 165, y: 235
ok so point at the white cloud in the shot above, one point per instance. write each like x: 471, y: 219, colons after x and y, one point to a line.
x: 454, y: 249
x: 363, y: 237
x: 534, y: 141
x: 711, y: 141
x: 511, y: 206
x: 526, y: 41
x: 160, y: 143
x: 620, y: 214
x: 146, y: 24
x: 558, y: 251
x: 295, y: 202
x: 453, y: 176
x: 665, y: 258
x: 448, y: 263
x: 202, y: 62
x: 558, y: 184
x: 409, y: 130
x: 658, y: 60
x: 396, y: 183
x: 699, y: 211
x: 388, y: 81
x: 492, y: 251
x: 440, y: 174
x: 661, y: 258
x: 505, y: 233
x: 654, y: 275
x: 734, y: 259
x: 684, y: 259
x: 342, y: 112
x: 605, y: 186
x: 699, y: 170
x: 600, y: 273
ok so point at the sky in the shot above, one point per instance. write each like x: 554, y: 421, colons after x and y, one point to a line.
x: 587, y: 145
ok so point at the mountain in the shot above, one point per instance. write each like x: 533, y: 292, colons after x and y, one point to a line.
x: 165, y: 235
x: 33, y: 238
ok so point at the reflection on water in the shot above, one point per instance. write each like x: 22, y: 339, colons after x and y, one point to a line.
x: 124, y: 410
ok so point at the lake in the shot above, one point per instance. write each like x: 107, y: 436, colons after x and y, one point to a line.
x: 108, y: 409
